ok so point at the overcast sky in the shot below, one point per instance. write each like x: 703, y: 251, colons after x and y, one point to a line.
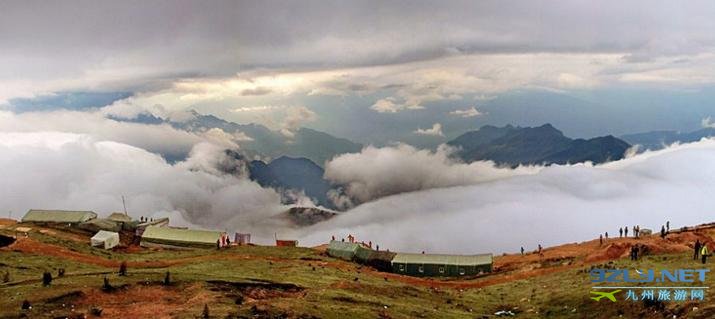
x: 376, y: 72
x: 388, y: 62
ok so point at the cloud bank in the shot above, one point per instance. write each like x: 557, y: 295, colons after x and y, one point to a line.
x: 558, y: 204
x: 378, y: 172
x: 54, y: 170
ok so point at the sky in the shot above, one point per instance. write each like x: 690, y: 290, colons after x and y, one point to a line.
x: 403, y: 67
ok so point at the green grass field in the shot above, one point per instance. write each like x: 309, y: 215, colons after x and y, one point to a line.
x: 272, y: 282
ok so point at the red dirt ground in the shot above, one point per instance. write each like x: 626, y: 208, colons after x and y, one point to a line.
x: 147, y: 301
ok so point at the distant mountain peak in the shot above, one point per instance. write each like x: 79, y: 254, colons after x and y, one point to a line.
x: 535, y: 145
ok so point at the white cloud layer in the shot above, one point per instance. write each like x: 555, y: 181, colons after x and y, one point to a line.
x: 54, y: 170
x: 559, y: 204
x: 378, y: 172
x: 162, y: 139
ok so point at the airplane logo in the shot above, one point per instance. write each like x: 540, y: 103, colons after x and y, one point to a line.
x: 609, y: 295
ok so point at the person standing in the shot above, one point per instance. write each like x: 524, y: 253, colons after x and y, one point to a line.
x: 522, y: 250
x: 626, y: 231
x: 600, y: 240
x: 667, y: 226
x: 704, y: 253
x: 620, y: 232
x: 696, y: 252
x: 606, y: 235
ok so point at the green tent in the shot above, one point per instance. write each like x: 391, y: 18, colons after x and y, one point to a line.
x: 380, y: 260
x: 362, y: 254
x: 428, y: 265
x: 98, y: 224
x: 57, y: 216
x: 342, y: 250
x: 176, y: 237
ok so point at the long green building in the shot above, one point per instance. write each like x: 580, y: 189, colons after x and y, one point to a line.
x: 155, y: 236
x: 42, y: 216
x: 429, y: 265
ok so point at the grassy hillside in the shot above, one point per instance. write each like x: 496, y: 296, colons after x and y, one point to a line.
x: 273, y: 282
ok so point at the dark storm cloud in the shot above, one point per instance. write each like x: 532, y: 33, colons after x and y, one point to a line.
x: 224, y: 36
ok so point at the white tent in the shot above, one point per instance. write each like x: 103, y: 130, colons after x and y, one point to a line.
x: 106, y: 239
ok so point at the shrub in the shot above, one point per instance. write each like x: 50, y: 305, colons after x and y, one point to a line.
x: 46, y: 278
x: 123, y: 268
x: 106, y: 286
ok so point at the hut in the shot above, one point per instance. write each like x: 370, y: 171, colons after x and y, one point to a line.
x: 342, y: 250
x: 430, y: 265
x: 380, y: 260
x: 105, y: 239
x: 242, y: 239
x: 141, y: 227
x: 65, y: 217
x: 286, y: 243
x: 167, y: 237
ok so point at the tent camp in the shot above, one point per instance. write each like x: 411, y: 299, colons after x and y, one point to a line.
x: 41, y: 216
x: 342, y: 250
x: 155, y: 236
x: 105, y: 239
x: 427, y: 265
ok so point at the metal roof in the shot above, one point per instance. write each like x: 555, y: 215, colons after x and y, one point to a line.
x: 58, y: 216
x: 431, y: 259
x: 104, y: 235
x: 119, y: 217
x: 343, y: 246
x: 182, y: 235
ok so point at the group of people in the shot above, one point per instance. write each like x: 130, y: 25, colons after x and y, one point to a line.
x: 701, y: 251
x: 352, y: 239
x: 224, y: 241
x: 623, y: 232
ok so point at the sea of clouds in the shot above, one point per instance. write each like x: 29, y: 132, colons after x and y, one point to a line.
x: 558, y: 204
x: 401, y: 197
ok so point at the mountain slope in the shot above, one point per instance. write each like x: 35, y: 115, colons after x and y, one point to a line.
x: 545, y: 144
x: 295, y: 174
x: 313, y: 145
x: 265, y: 143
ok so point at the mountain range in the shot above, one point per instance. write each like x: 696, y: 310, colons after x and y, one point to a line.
x: 311, y: 144
x: 264, y: 143
x: 542, y: 145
